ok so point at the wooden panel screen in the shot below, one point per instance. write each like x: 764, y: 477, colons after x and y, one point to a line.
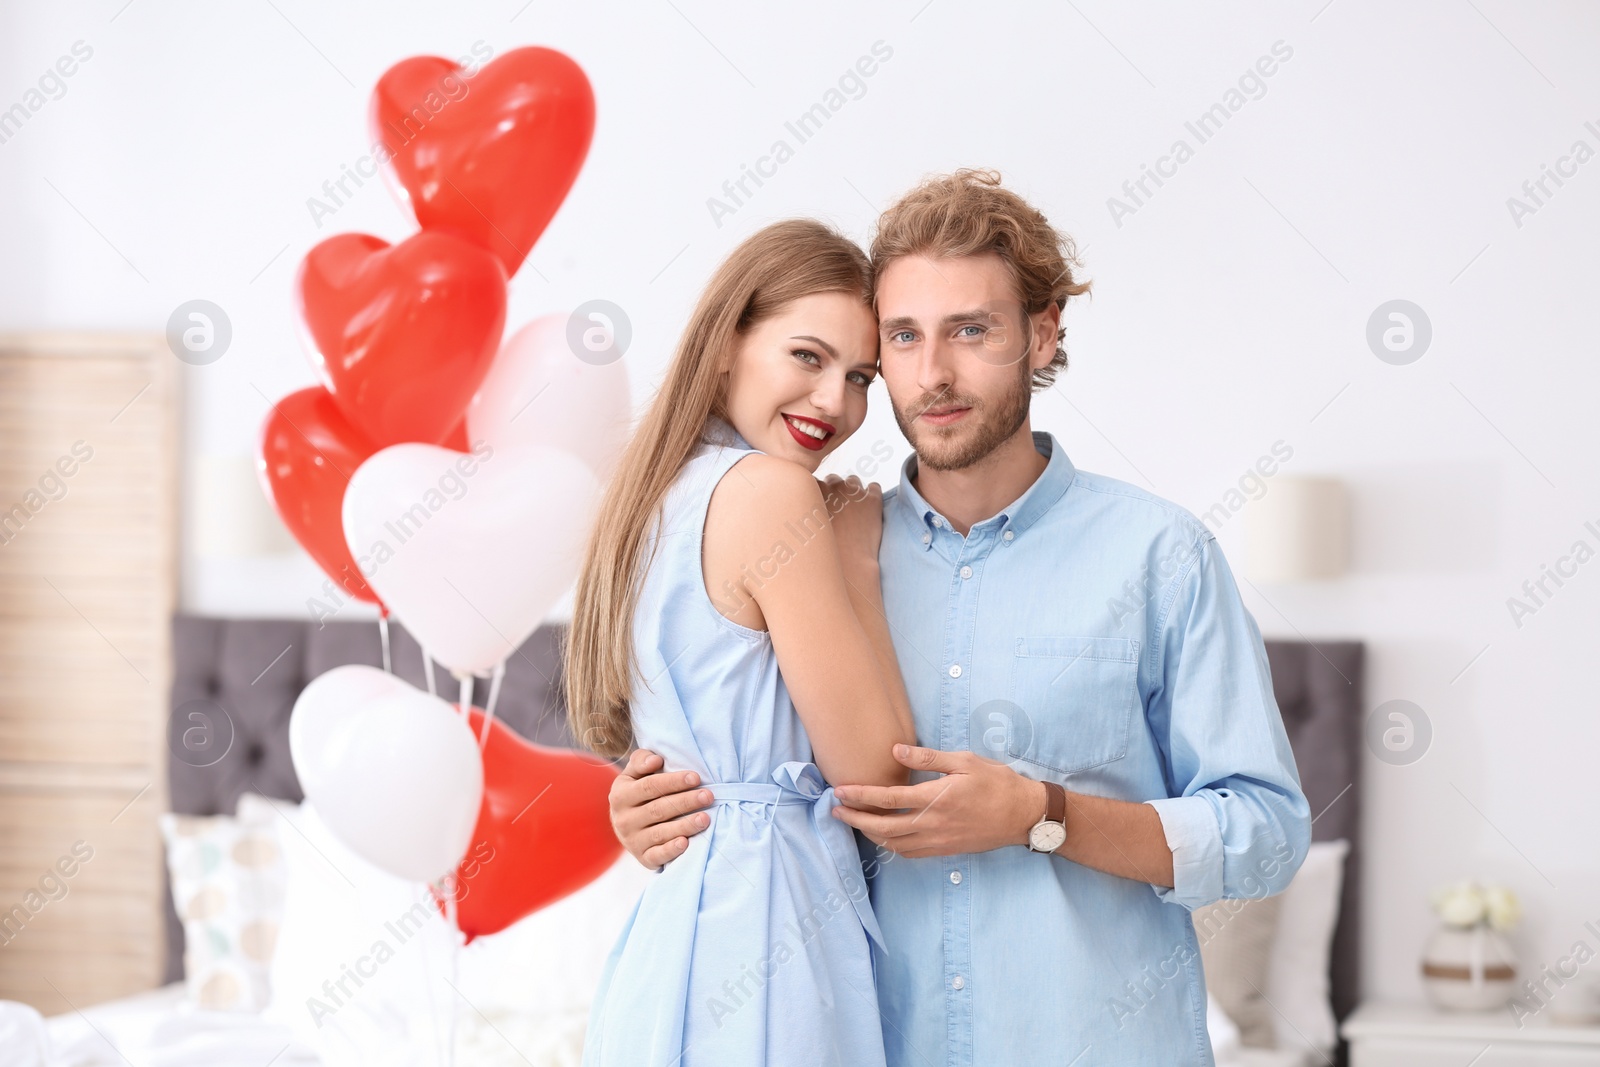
x: 88, y: 562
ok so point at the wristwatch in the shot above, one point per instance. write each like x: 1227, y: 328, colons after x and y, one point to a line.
x: 1050, y: 832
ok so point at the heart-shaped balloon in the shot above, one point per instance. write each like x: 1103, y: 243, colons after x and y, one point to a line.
x: 402, y: 335
x: 327, y: 706
x: 394, y: 772
x: 543, y: 832
x: 305, y: 457
x: 490, y: 157
x: 539, y: 392
x: 470, y: 551
x: 457, y: 440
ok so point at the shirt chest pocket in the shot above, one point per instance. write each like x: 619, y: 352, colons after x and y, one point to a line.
x: 1079, y: 696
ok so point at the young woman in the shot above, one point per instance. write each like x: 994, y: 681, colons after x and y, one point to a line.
x: 729, y: 617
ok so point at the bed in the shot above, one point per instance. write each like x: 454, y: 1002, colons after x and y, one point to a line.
x: 253, y: 669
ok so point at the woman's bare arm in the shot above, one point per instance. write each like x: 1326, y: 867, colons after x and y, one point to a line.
x: 768, y: 517
x: 654, y: 812
x: 858, y: 523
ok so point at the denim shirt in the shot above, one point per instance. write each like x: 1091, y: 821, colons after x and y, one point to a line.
x: 1090, y: 634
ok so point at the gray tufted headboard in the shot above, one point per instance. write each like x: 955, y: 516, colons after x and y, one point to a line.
x: 253, y: 669
x: 1319, y: 691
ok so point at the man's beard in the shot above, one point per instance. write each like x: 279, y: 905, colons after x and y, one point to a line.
x: 980, y: 433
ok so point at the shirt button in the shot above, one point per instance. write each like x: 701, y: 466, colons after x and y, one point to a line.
x: 958, y: 983
x: 966, y: 572
x: 1009, y: 534
x: 927, y: 537
x: 955, y: 877
x: 955, y: 670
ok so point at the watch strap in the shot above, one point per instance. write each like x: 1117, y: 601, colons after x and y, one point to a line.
x: 1055, y: 812
x: 1055, y: 803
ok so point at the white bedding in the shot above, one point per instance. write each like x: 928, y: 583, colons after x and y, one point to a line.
x: 159, y: 1029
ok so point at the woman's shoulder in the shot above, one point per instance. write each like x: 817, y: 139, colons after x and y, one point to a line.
x: 742, y: 482
x: 763, y: 483
x: 760, y: 500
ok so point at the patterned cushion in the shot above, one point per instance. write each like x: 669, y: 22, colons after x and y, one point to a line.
x: 228, y: 876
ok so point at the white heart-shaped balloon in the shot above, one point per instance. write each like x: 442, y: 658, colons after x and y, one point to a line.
x: 471, y: 551
x: 326, y: 706
x: 398, y: 776
x: 539, y: 392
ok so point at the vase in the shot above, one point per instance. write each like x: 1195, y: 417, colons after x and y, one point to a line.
x: 1469, y: 968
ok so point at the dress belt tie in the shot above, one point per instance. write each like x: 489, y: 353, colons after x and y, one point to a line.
x: 799, y: 782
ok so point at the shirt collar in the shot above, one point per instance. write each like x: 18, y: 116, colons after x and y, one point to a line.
x: 1037, y: 499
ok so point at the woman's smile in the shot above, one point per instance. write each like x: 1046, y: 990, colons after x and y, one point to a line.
x: 810, y: 433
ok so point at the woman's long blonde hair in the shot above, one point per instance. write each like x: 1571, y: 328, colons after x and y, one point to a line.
x: 774, y: 267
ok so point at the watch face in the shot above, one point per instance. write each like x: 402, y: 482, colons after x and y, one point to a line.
x: 1047, y: 836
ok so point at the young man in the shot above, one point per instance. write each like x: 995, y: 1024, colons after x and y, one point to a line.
x: 1103, y: 752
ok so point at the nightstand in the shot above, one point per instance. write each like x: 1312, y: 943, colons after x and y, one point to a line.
x: 1415, y: 1035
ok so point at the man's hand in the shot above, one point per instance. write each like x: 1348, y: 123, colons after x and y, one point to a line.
x: 856, y: 514
x: 977, y: 806
x: 981, y: 805
x: 654, y: 813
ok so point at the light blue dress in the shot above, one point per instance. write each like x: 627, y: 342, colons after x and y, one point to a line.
x: 753, y: 946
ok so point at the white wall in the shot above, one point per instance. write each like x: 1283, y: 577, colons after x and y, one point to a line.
x: 1229, y: 308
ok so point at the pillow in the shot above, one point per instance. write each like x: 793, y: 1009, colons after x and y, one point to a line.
x: 1236, y: 939
x: 227, y: 887
x: 550, y: 962
x: 361, y: 954
x: 368, y: 971
x: 1220, y: 1028
x: 1297, y: 976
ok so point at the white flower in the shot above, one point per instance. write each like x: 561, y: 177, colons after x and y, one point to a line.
x: 1503, y: 907
x: 1461, y: 904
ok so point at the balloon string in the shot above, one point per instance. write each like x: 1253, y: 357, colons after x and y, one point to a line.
x: 466, y: 692
x: 455, y: 968
x: 427, y: 978
x: 494, y: 695
x: 427, y: 669
x: 383, y: 633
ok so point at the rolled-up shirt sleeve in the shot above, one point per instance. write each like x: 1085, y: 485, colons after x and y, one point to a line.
x: 1235, y: 817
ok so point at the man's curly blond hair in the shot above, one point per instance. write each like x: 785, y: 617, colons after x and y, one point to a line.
x: 969, y: 213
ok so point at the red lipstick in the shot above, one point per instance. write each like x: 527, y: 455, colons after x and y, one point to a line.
x: 806, y: 440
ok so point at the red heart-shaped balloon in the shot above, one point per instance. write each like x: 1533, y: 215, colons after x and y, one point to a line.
x: 544, y: 830
x: 457, y: 438
x: 402, y: 336
x: 490, y: 156
x: 305, y: 458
